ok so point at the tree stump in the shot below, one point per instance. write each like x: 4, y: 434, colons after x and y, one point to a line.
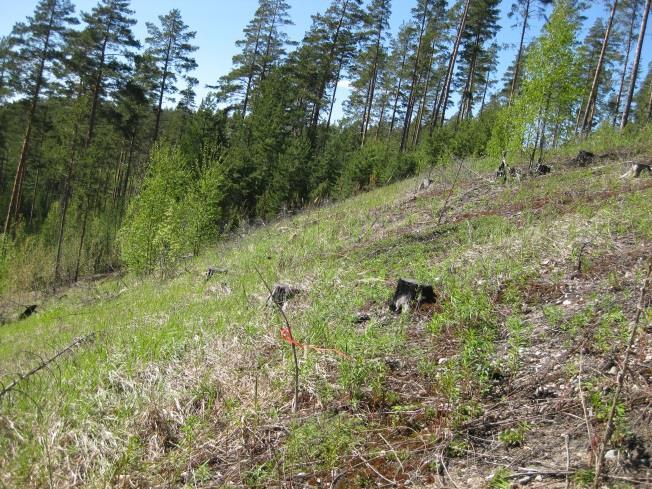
x: 636, y: 170
x: 210, y: 271
x: 425, y: 183
x: 409, y: 292
x: 583, y: 158
x: 283, y: 293
x: 542, y: 169
x: 27, y: 312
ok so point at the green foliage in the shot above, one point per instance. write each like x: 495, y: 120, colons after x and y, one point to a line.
x: 323, y: 441
x: 500, y: 479
x: 172, y: 215
x: 514, y: 437
x: 550, y: 88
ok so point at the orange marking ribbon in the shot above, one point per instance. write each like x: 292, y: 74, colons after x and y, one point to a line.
x: 286, y: 334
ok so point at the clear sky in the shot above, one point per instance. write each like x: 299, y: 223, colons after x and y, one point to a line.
x: 219, y: 24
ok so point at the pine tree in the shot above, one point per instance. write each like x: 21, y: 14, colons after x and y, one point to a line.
x: 481, y: 27
x: 369, y: 64
x: 39, y: 43
x: 325, y: 51
x: 7, y: 68
x: 400, y: 52
x: 589, y: 111
x: 169, y: 45
x: 637, y: 59
x: 442, y: 101
x: 630, y: 10
x: 262, y: 48
x: 109, y: 35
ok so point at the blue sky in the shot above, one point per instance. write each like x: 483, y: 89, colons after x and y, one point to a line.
x: 219, y: 24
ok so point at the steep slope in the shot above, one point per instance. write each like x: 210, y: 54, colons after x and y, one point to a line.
x: 507, y: 379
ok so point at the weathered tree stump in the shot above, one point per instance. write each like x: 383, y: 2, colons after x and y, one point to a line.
x: 583, y: 158
x: 210, y: 271
x: 409, y: 292
x: 425, y: 183
x: 637, y: 169
x: 542, y: 169
x: 283, y: 293
x: 27, y: 312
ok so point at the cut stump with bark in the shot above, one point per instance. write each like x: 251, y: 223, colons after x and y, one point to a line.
x: 210, y: 271
x: 425, y: 184
x: 27, y: 312
x: 283, y: 293
x: 583, y: 158
x: 637, y: 169
x: 411, y: 293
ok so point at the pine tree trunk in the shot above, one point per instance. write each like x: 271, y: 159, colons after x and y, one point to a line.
x: 97, y: 88
x: 587, y: 122
x: 337, y: 80
x: 422, y: 104
x: 268, y: 46
x: 125, y: 181
x: 398, y: 93
x: 31, y: 208
x: 484, y: 94
x: 637, y: 59
x: 517, y: 67
x: 62, y: 225
x: 67, y: 193
x: 14, y: 201
x: 81, y: 241
x: 162, y: 91
x: 324, y: 78
x: 415, y: 78
x: 467, y: 97
x: 372, y: 84
x: 630, y: 37
x: 649, y: 105
x: 443, y: 102
x: 250, y: 77
x: 381, y: 117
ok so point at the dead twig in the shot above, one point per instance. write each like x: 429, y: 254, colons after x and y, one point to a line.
x: 578, y: 268
x: 620, y: 380
x: 589, y: 434
x: 390, y: 481
x: 567, y: 442
x: 44, y: 364
x: 450, y: 192
x: 295, y: 402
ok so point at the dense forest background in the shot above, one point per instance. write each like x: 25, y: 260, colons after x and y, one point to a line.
x: 107, y: 159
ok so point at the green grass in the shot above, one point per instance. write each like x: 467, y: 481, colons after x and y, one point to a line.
x: 182, y: 371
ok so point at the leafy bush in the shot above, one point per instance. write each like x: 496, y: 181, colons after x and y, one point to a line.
x: 172, y: 215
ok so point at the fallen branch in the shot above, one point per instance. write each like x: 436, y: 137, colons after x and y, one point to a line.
x: 599, y: 463
x: 44, y: 364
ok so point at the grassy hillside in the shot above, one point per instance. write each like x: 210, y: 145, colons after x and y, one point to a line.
x: 506, y: 380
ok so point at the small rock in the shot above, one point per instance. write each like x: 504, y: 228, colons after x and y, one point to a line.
x: 525, y: 480
x: 611, y: 455
x: 613, y: 370
x: 538, y: 478
x: 442, y: 360
x: 567, y: 302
